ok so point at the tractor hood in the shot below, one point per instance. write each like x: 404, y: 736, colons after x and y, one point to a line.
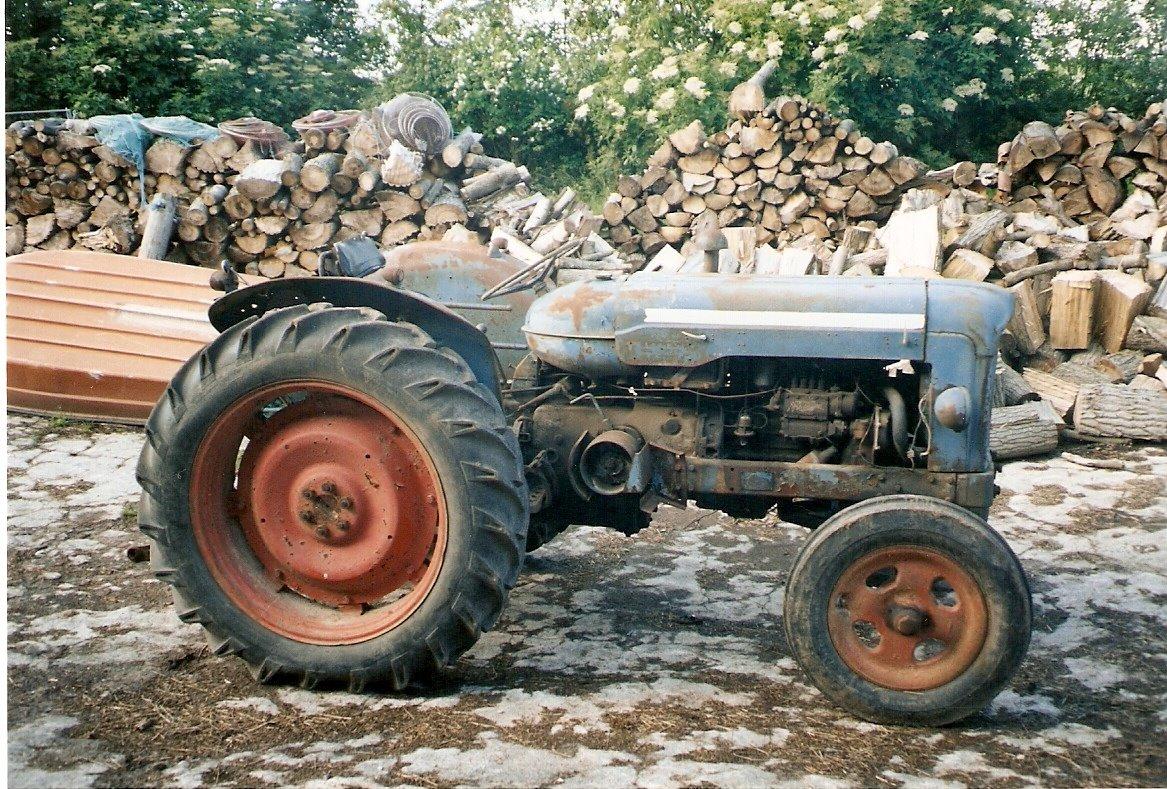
x: 611, y: 328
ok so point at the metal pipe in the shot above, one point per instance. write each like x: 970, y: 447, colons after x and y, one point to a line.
x: 898, y: 413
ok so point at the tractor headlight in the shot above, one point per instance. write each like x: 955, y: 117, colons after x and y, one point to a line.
x: 952, y: 407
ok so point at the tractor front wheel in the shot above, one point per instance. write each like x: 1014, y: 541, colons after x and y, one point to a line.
x: 904, y: 609
x: 334, y: 498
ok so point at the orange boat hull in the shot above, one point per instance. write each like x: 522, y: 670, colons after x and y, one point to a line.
x: 99, y: 336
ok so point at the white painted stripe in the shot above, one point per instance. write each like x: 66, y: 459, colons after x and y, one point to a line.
x: 689, y: 318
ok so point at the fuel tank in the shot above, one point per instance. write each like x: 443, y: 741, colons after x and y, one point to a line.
x: 604, y: 329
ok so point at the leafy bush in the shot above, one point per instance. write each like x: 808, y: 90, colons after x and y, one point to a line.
x: 582, y: 89
x: 210, y: 60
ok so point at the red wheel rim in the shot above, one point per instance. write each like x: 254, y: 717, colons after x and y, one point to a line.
x: 318, y: 511
x: 907, y: 618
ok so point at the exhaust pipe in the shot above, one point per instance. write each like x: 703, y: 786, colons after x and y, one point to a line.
x: 616, y: 461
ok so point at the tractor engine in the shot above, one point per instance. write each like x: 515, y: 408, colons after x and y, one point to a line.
x: 595, y: 444
x: 739, y: 393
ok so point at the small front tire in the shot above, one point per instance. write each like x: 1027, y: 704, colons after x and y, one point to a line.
x: 908, y: 610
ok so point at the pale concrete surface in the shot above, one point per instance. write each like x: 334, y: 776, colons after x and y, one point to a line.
x: 656, y: 660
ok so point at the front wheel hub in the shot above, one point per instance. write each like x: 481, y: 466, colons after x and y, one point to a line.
x: 907, y: 618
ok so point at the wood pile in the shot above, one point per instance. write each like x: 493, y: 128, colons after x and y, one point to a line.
x: 790, y: 170
x: 65, y: 189
x: 272, y: 206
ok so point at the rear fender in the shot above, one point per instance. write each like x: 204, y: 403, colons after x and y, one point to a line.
x: 446, y: 327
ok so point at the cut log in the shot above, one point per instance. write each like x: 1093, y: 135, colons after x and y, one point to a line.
x: 1072, y: 309
x: 1120, y: 298
x: 740, y: 244
x: 262, y: 178
x: 1121, y: 367
x: 1026, y: 323
x: 1021, y: 431
x: 159, y: 227
x: 1010, y: 387
x: 688, y: 140
x: 314, y: 235
x: 166, y: 157
x: 447, y: 209
x: 1059, y: 393
x: 749, y: 97
x: 912, y: 240
x: 1104, y: 189
x: 491, y: 181
x: 398, y: 232
x: 367, y: 222
x: 1015, y: 255
x: 322, y: 209
x: 968, y: 264
x: 1113, y: 411
x: 316, y: 173
x: 1148, y: 334
x: 458, y: 147
x: 1037, y: 140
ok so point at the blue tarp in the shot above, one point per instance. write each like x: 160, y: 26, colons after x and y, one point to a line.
x: 130, y: 135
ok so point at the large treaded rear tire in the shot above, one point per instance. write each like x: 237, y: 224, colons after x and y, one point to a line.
x: 462, y: 426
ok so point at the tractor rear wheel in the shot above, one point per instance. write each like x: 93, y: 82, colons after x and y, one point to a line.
x: 334, y: 498
x: 905, y: 609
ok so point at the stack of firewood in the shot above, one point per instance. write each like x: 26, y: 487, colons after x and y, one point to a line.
x: 64, y: 188
x: 272, y: 206
x: 791, y: 171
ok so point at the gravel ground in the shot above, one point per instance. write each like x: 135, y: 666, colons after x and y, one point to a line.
x: 656, y: 660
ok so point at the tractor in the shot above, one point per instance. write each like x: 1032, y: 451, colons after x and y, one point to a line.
x: 342, y: 487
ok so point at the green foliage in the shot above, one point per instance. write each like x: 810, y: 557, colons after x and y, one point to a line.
x: 1113, y: 52
x: 916, y: 72
x: 583, y: 89
x: 493, y: 70
x: 210, y: 60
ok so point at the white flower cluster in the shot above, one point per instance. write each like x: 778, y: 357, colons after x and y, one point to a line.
x: 986, y: 35
x: 666, y: 70
x: 1007, y: 75
x: 949, y: 104
x: 666, y: 100
x: 101, y: 68
x: 631, y: 85
x: 974, y: 87
x: 906, y: 110
x: 696, y: 87
x: 919, y: 35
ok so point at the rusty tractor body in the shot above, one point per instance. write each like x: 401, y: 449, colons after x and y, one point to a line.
x: 332, y: 484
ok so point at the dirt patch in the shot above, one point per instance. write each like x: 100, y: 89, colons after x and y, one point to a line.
x: 1047, y: 495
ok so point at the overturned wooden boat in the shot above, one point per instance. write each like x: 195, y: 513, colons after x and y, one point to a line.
x: 98, y: 336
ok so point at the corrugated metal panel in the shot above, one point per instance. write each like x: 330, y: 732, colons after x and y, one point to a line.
x: 97, y: 335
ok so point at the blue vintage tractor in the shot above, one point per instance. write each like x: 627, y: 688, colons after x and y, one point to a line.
x: 342, y: 487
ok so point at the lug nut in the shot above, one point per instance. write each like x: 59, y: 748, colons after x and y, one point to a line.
x: 343, y: 525
x: 308, y: 493
x: 328, y: 487
x: 308, y: 516
x: 346, y: 503
x: 322, y: 532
